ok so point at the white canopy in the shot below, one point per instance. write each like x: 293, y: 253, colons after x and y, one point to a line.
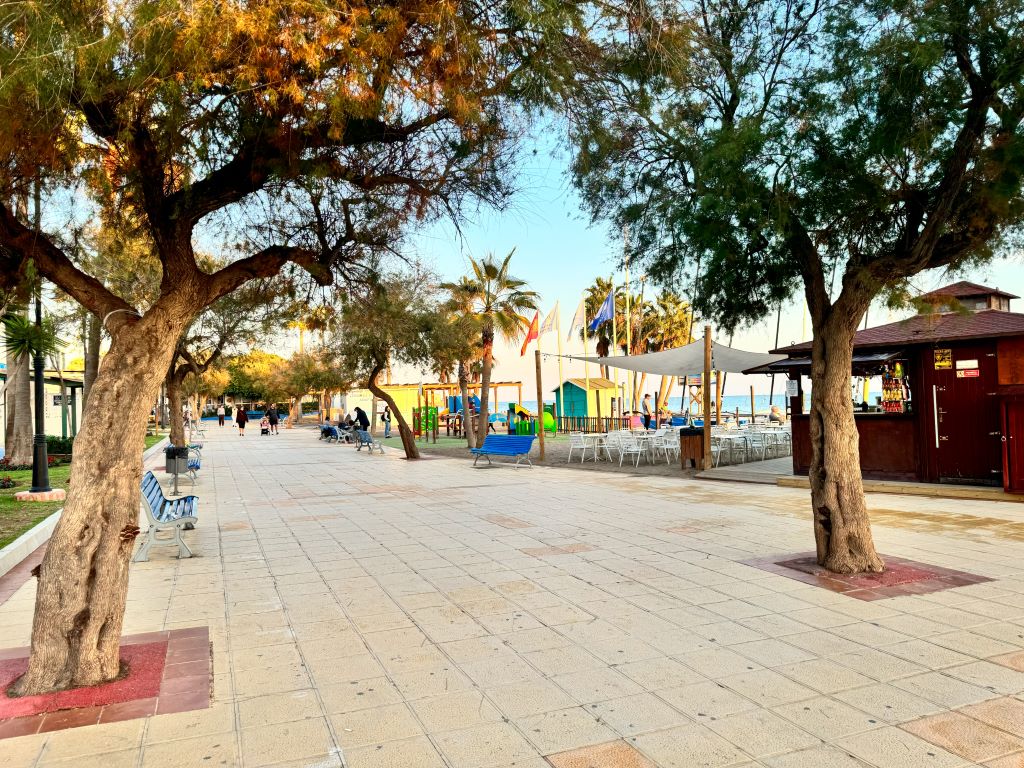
x: 687, y: 361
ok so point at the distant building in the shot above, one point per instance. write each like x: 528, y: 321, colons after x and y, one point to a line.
x: 60, y: 421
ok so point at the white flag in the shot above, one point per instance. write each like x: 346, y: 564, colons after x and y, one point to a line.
x: 577, y: 321
x: 549, y: 321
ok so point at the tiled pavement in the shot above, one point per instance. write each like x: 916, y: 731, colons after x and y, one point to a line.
x: 370, y: 612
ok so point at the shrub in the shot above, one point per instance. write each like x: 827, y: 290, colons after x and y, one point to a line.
x: 7, y: 482
x: 56, y: 444
x: 5, y: 465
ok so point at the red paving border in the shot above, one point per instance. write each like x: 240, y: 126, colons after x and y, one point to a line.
x: 184, y: 686
x: 13, y: 580
x: 900, y: 578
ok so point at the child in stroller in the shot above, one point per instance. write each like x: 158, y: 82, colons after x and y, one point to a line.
x: 264, y: 426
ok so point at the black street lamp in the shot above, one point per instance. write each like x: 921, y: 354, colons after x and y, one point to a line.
x: 40, y: 461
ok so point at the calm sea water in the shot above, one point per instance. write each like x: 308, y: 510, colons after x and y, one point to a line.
x: 729, y: 403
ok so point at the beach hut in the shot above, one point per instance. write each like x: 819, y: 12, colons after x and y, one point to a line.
x: 579, y: 402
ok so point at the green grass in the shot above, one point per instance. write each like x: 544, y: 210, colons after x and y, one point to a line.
x: 16, y: 517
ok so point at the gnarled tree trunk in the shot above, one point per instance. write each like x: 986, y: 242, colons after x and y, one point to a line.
x: 487, y: 361
x: 842, y: 529
x: 412, y: 451
x: 174, y: 403
x: 83, y: 579
x: 18, y: 437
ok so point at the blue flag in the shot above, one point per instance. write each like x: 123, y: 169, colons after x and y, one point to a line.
x: 604, y: 314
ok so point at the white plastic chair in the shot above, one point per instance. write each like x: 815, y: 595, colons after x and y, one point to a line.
x: 577, y: 441
x: 630, y: 446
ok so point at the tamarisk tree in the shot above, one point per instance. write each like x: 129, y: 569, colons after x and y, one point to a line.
x: 835, y: 147
x: 305, y: 132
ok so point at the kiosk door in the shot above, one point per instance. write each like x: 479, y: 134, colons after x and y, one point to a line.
x: 966, y: 418
x: 1013, y: 446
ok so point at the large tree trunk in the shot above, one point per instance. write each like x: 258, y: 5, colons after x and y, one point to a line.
x: 467, y: 421
x: 175, y: 402
x: 412, y: 451
x: 92, y: 355
x: 487, y: 361
x: 18, y: 437
x: 842, y: 530
x: 83, y: 579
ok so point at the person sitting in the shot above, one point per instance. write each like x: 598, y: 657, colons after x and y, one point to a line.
x: 264, y: 426
x: 776, y: 416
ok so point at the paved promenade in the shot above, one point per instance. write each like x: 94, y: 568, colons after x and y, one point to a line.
x: 370, y: 612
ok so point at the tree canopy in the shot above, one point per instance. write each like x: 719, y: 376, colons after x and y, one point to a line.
x: 751, y: 146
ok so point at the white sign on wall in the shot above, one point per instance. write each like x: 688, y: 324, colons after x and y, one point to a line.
x: 792, y: 388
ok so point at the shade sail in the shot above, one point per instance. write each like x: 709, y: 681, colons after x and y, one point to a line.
x: 687, y: 361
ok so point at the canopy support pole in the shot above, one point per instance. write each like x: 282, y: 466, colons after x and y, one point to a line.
x: 706, y: 391
x: 540, y: 408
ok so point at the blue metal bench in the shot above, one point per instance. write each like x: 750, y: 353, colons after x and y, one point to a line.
x: 364, y: 438
x: 505, y: 445
x: 166, y: 514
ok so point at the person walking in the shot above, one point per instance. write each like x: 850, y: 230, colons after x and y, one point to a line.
x: 273, y: 418
x: 220, y: 414
x: 241, y: 419
x: 385, y: 417
x: 645, y: 409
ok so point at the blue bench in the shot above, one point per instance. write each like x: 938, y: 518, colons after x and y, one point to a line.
x: 166, y: 514
x: 364, y: 438
x: 505, y: 445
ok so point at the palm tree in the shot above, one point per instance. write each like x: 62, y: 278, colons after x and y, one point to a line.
x: 498, y: 300
x: 23, y: 339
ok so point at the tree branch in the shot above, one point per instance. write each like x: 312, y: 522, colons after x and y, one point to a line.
x: 22, y: 243
x: 267, y: 263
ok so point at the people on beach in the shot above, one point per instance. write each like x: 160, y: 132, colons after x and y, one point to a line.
x: 241, y: 419
x: 220, y: 414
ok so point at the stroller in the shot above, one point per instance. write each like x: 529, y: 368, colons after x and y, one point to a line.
x: 265, y: 426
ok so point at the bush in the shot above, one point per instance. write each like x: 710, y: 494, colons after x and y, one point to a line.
x: 56, y: 444
x: 311, y: 407
x: 5, y: 465
x: 7, y: 482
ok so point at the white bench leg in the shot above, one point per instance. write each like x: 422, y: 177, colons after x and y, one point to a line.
x: 142, y: 556
x: 183, y: 550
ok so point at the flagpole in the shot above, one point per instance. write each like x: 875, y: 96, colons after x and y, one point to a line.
x: 615, y: 339
x: 586, y: 363
x: 561, y: 379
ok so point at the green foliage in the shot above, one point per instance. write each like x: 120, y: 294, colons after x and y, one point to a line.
x: 23, y: 337
x: 751, y: 147
x: 394, y: 322
x: 252, y: 375
x: 62, y: 445
x: 497, y: 298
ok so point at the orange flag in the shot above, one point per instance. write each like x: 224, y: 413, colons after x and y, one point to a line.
x: 531, y: 334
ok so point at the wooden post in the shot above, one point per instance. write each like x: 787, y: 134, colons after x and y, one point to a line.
x: 753, y: 413
x: 706, y: 390
x: 419, y: 409
x: 718, y: 397
x: 540, y: 407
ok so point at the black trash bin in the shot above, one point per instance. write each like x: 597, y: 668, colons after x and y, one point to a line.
x: 176, y: 459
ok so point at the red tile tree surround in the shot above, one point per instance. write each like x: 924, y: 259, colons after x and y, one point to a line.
x: 167, y: 672
x: 901, y: 577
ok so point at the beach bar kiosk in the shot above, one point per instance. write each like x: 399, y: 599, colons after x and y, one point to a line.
x: 952, y: 402
x: 583, y: 402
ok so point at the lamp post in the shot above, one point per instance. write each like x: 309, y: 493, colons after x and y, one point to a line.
x: 40, y: 462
